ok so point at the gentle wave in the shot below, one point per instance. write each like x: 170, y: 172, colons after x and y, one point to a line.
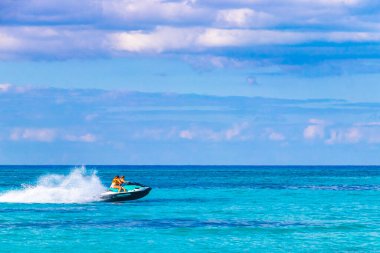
x: 77, y: 187
x: 184, y: 223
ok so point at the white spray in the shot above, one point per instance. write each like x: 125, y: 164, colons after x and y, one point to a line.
x: 77, y: 187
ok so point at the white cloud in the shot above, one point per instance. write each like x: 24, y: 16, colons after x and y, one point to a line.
x: 356, y: 133
x: 186, y: 134
x: 369, y: 131
x: 161, y: 39
x: 243, y: 17
x: 33, y: 134
x: 4, y: 87
x: 8, y: 42
x: 352, y: 135
x: 235, y: 132
x: 152, y: 10
x: 359, y: 132
x: 316, y: 130
x: 52, y: 41
x: 47, y: 135
x: 276, y: 136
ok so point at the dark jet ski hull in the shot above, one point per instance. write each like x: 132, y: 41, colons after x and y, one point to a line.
x: 125, y: 196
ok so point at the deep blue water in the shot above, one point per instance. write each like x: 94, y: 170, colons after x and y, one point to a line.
x: 192, y: 209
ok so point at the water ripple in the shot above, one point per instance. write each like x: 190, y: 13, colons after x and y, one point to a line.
x: 177, y: 223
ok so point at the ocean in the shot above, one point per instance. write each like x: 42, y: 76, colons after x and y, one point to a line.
x: 191, y: 209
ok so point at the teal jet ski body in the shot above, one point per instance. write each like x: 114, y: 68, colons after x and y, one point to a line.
x: 133, y: 191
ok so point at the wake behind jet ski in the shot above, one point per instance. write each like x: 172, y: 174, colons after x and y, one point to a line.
x: 120, y: 192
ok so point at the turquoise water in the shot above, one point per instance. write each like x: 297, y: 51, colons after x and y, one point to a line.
x: 191, y: 209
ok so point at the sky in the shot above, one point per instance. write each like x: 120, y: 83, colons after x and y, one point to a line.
x: 252, y: 82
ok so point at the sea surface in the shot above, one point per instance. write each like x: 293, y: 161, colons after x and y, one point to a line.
x: 191, y: 209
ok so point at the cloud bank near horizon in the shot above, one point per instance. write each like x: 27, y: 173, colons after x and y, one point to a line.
x: 47, y: 125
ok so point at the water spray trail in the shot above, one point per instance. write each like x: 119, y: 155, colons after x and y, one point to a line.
x: 77, y: 187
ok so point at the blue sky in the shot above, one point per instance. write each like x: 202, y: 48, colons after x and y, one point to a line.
x: 189, y: 82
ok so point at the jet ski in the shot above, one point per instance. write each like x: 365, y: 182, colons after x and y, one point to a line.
x: 133, y: 191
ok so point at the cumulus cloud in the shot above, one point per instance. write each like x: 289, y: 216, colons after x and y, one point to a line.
x: 275, y: 136
x: 48, y: 135
x: 319, y: 129
x: 369, y: 131
x: 33, y: 134
x: 316, y: 130
x: 331, y: 134
x: 243, y: 17
x: 161, y: 39
x: 8, y: 42
x: 235, y: 132
x: 52, y: 42
x: 186, y: 134
x: 352, y: 135
x: 4, y: 87
x: 153, y: 10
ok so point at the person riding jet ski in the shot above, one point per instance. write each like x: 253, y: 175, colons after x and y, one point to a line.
x: 117, y: 183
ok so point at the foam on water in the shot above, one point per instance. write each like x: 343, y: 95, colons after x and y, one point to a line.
x: 77, y: 187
